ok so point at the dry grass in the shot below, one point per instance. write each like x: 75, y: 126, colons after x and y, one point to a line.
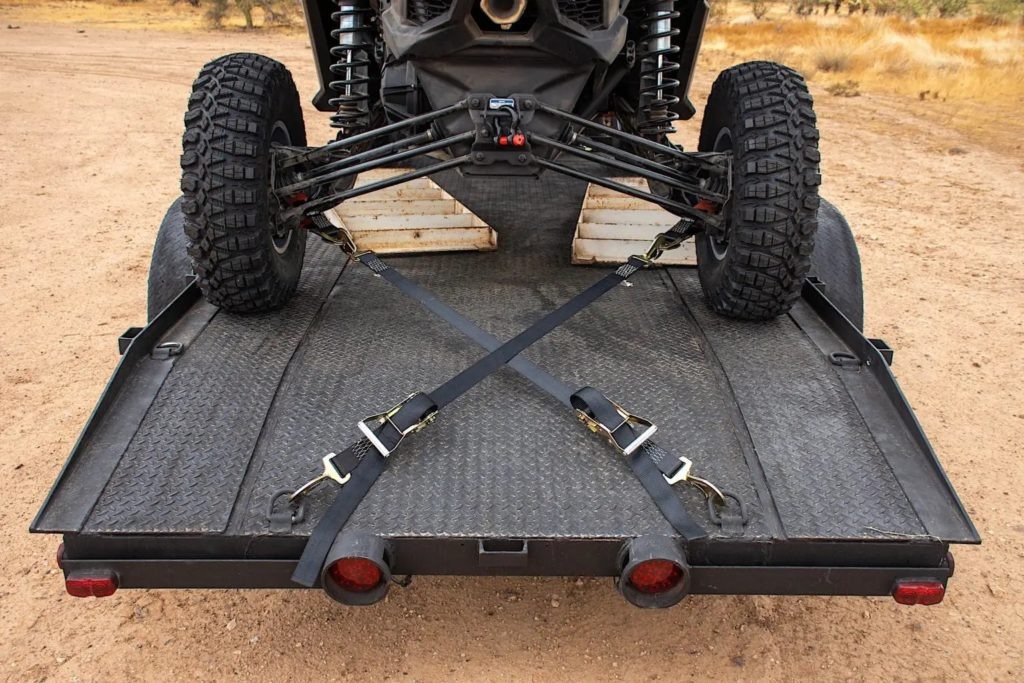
x: 127, y: 14
x: 956, y: 58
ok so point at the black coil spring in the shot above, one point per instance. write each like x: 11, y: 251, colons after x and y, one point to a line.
x: 658, y: 99
x: 351, y: 67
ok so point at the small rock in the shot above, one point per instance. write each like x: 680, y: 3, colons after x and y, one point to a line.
x: 555, y: 602
x: 231, y: 625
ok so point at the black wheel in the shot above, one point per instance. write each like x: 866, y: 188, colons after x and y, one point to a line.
x: 170, y: 267
x: 754, y: 267
x: 836, y: 262
x: 245, y: 259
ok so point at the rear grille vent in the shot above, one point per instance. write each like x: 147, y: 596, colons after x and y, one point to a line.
x: 422, y: 11
x: 587, y: 13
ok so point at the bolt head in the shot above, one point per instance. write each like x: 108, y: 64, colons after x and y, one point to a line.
x: 528, y: 104
x: 475, y: 102
x: 479, y: 156
x: 522, y: 158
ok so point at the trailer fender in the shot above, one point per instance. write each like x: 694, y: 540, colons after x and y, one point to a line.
x: 169, y: 268
x: 836, y: 262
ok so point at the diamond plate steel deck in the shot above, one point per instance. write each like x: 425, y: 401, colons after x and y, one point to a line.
x: 256, y: 401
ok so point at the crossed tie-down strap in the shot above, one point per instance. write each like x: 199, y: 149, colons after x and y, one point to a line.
x: 357, y: 467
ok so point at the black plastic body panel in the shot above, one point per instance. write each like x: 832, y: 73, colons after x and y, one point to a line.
x: 846, y: 491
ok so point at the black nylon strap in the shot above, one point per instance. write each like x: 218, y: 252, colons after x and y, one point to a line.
x: 316, y: 549
x: 595, y: 404
x: 370, y: 465
x: 544, y: 380
x: 480, y: 370
x: 647, y: 462
x: 587, y: 398
x: 664, y: 496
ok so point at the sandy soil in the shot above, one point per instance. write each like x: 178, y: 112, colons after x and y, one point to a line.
x: 89, y: 128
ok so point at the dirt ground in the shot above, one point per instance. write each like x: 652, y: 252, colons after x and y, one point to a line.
x: 89, y: 133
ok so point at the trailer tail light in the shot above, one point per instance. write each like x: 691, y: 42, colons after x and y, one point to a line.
x: 654, y: 572
x: 356, y: 574
x: 94, y: 585
x: 358, y: 569
x: 911, y: 592
x: 655, y: 576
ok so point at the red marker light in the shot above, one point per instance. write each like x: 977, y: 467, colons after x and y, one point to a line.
x: 91, y: 585
x: 503, y: 141
x: 655, y: 576
x: 518, y: 139
x: 918, y: 592
x: 356, y: 574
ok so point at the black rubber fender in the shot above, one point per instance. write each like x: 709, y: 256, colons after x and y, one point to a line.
x: 836, y: 262
x: 170, y: 267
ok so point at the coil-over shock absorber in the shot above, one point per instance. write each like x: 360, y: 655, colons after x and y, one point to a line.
x: 658, y: 70
x: 353, y: 65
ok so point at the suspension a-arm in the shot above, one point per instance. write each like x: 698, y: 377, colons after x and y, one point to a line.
x: 312, y: 180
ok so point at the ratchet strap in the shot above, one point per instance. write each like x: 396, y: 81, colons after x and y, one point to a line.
x: 629, y: 433
x: 382, y: 433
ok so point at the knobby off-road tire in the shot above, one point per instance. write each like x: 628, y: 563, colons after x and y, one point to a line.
x: 245, y: 261
x: 763, y: 113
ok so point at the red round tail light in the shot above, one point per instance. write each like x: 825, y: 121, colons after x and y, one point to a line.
x: 653, y: 571
x: 358, y: 569
x: 356, y: 574
x: 655, y: 576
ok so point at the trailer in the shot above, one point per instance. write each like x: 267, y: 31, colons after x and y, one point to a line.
x: 181, y: 476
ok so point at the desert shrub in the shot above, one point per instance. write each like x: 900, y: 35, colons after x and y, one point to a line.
x: 950, y: 8
x: 998, y: 12
x: 884, y: 8
x: 759, y: 8
x: 911, y: 9
x: 216, y: 11
x: 832, y: 57
x: 719, y: 10
x: 847, y: 88
x: 274, y: 11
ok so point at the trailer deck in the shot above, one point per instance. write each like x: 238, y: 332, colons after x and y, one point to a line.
x: 173, y: 477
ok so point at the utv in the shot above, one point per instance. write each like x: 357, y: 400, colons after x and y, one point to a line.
x: 500, y: 88
x: 815, y: 477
